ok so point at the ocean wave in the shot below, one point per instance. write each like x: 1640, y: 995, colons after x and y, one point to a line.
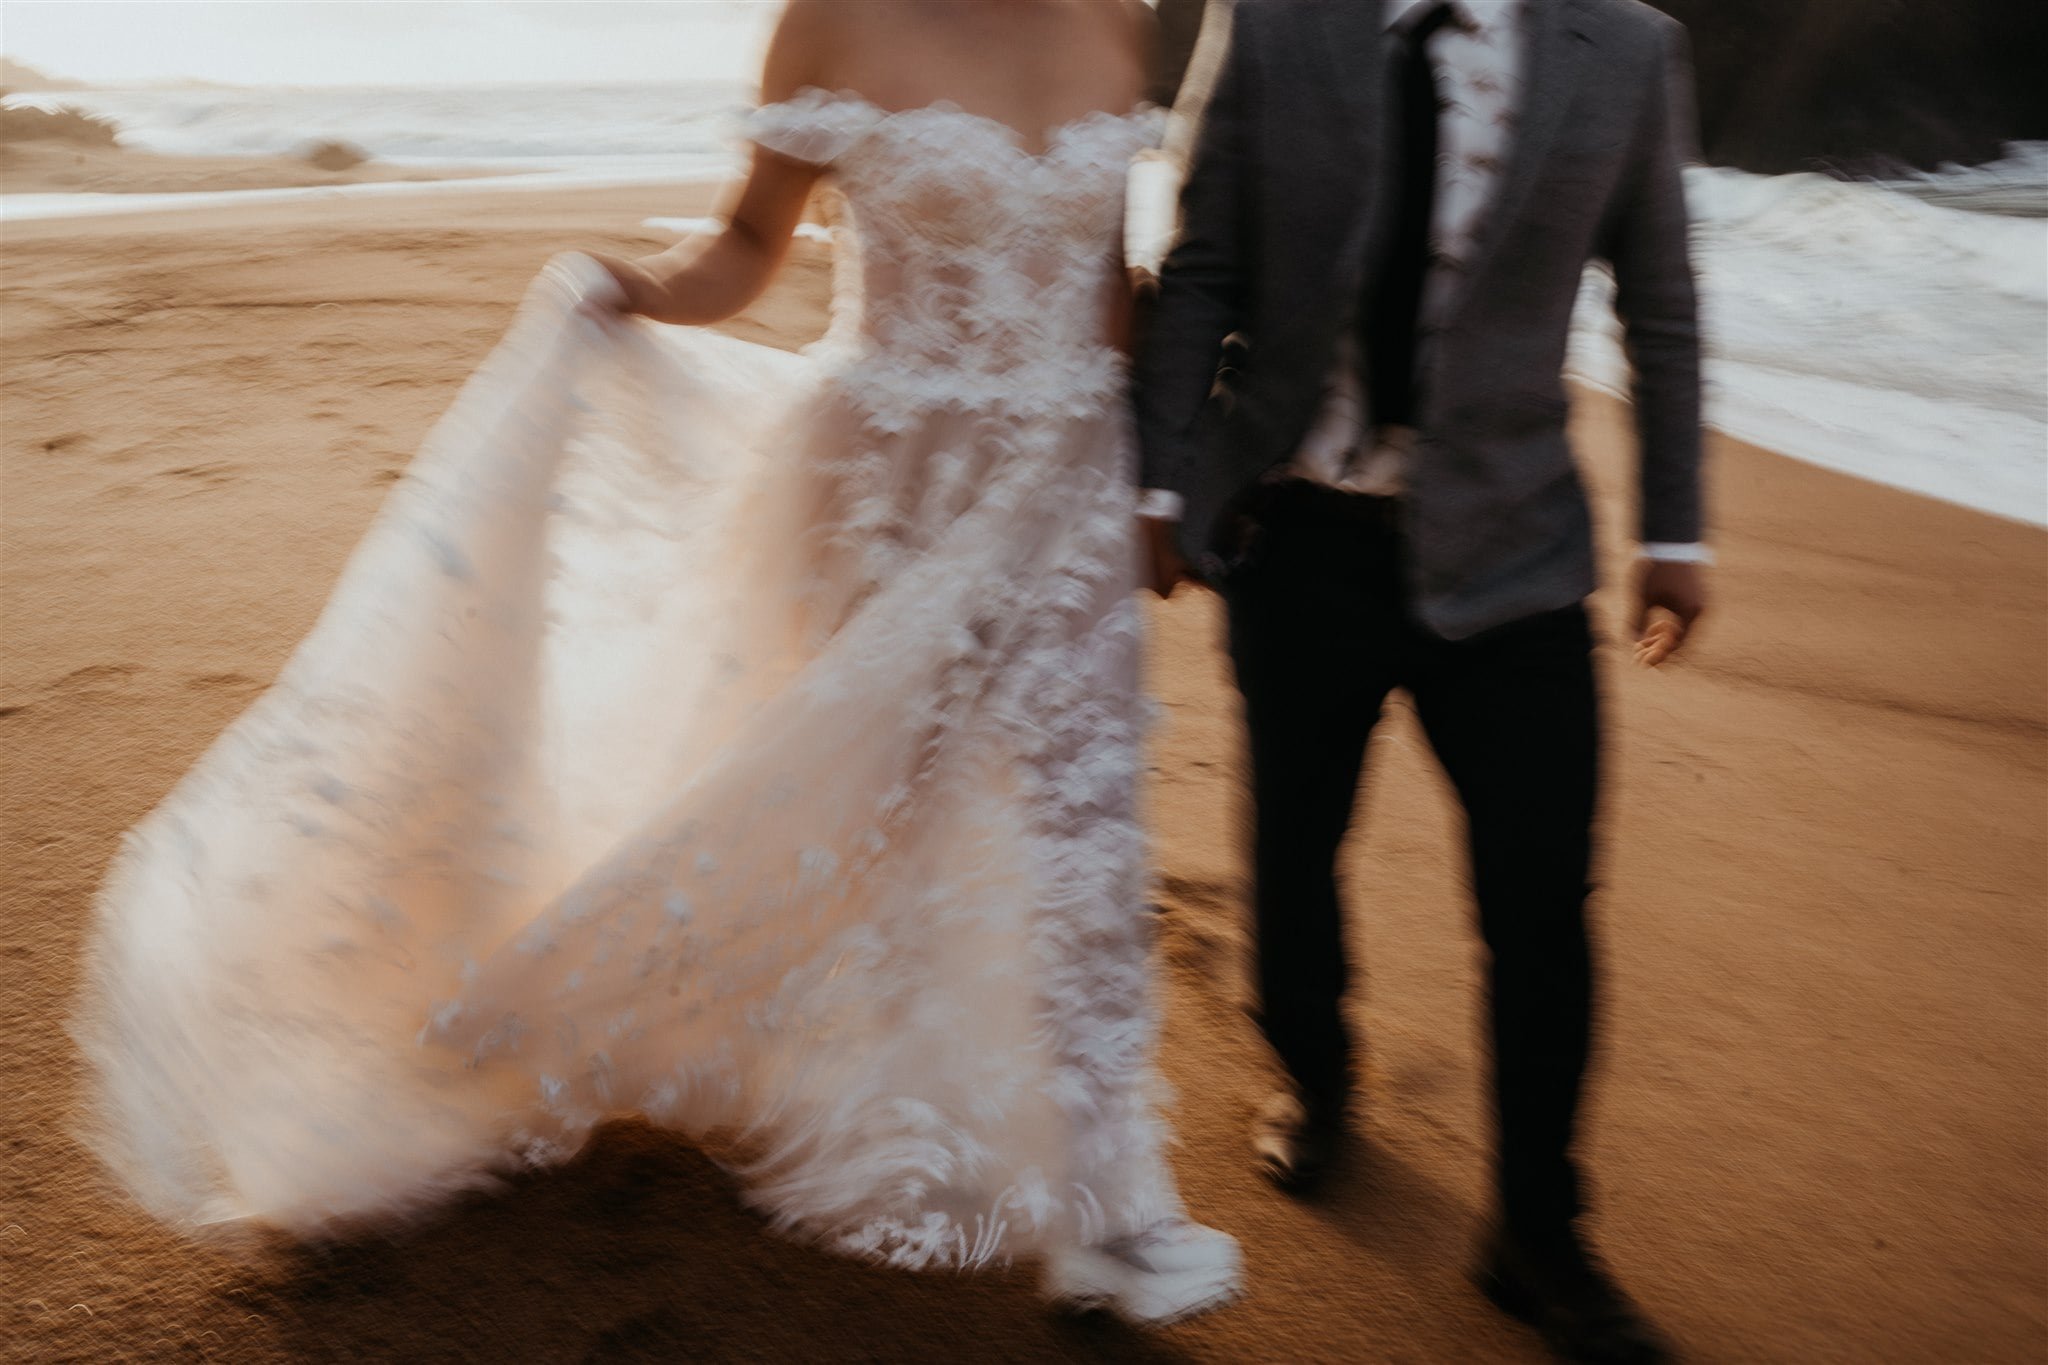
x: 1871, y: 331
x: 2016, y: 183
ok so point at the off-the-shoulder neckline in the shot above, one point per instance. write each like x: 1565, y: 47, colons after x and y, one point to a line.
x: 1053, y: 137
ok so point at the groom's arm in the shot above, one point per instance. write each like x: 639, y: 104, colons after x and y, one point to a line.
x: 1655, y: 298
x: 1201, y: 292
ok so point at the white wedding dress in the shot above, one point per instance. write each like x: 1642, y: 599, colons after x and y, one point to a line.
x: 741, y: 739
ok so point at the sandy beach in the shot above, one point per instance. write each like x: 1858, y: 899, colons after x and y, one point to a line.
x: 1821, y: 1124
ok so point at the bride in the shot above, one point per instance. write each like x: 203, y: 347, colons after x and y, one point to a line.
x: 744, y: 740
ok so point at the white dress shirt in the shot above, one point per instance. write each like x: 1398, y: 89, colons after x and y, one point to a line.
x: 1479, y: 61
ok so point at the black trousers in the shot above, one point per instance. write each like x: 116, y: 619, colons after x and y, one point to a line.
x: 1320, y: 632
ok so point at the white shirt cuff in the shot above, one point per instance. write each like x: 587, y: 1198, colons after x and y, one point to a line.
x: 1672, y: 552
x: 1161, y: 504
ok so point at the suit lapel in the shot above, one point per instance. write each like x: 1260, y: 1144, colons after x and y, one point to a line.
x: 1355, y: 52
x: 1559, y: 43
x: 1356, y: 60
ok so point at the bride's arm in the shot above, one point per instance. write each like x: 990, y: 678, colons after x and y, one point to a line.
x: 694, y: 282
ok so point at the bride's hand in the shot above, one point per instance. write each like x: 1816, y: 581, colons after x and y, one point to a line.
x: 637, y: 286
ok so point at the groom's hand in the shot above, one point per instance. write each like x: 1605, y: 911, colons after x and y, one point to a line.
x: 1164, y: 565
x: 1670, y: 598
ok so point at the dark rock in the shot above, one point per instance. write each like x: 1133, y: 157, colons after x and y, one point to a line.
x: 31, y: 123
x: 1868, y: 86
x: 333, y: 156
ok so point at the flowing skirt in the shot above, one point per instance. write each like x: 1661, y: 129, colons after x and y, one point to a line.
x: 693, y: 735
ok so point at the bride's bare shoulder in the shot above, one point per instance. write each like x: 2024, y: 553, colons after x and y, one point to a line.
x: 801, y: 50
x: 818, y: 42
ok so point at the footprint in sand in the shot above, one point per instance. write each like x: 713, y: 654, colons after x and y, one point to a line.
x: 1198, y: 926
x: 198, y: 478
x: 93, y: 678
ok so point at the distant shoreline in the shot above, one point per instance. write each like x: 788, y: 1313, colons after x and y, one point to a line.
x: 194, y: 139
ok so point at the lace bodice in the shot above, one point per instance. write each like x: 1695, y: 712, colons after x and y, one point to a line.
x: 976, y: 271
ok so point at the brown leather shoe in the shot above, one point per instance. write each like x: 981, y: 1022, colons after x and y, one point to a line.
x: 1294, y: 1143
x: 1559, y: 1287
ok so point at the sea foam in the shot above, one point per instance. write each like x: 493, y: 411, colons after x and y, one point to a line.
x: 1867, y: 330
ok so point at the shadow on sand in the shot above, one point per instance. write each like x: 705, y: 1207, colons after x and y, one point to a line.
x: 1418, y: 1241
x: 641, y: 1250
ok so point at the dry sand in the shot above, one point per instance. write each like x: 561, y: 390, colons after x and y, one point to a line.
x: 1820, y: 1131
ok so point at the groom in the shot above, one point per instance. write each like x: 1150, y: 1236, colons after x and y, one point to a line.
x: 1388, y: 211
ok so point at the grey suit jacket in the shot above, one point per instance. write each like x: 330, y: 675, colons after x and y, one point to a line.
x: 1281, y: 212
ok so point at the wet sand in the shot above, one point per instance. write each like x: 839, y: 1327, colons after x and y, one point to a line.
x: 61, y: 167
x: 1821, y: 1129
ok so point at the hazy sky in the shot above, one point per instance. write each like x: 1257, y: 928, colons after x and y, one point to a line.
x: 384, y: 42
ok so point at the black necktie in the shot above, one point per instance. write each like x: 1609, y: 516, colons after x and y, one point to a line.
x: 1393, y: 307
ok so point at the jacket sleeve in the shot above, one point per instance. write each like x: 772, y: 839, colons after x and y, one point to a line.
x: 1201, y: 286
x: 1656, y: 301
